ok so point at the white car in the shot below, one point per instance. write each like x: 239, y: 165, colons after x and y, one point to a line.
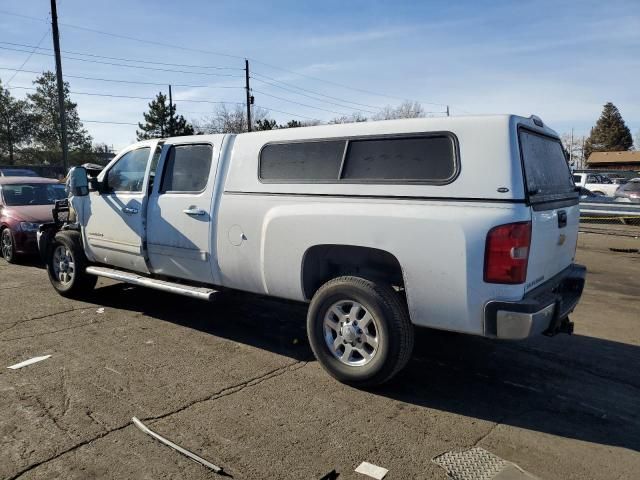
x: 466, y: 224
x: 599, y: 184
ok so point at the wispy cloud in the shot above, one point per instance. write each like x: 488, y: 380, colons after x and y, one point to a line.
x: 345, y: 38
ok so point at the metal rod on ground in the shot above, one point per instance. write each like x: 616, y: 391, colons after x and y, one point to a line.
x: 246, y: 75
x: 63, y: 120
x: 169, y: 443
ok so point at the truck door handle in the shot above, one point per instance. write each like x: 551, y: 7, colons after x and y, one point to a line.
x: 194, y: 211
x: 562, y: 219
x: 129, y: 210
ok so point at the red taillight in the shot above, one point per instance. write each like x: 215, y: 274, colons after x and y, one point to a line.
x: 507, y: 253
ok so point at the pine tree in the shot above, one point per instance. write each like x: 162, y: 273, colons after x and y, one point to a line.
x: 161, y: 121
x: 46, y: 117
x: 610, y: 134
x: 15, y: 123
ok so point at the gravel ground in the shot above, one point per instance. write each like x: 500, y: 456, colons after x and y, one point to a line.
x: 235, y: 382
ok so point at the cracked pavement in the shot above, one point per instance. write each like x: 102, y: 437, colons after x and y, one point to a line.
x: 235, y: 382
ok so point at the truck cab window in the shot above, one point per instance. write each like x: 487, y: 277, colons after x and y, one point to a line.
x: 186, y: 168
x: 127, y: 175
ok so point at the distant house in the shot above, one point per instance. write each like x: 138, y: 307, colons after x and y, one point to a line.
x: 614, y: 160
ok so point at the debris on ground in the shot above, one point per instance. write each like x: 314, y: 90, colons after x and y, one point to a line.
x: 332, y: 475
x: 100, y: 310
x: 28, y: 362
x: 371, y: 470
x: 169, y: 443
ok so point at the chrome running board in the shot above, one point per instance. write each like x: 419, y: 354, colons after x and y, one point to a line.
x: 135, y: 279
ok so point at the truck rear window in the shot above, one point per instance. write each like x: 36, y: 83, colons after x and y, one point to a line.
x: 545, y: 166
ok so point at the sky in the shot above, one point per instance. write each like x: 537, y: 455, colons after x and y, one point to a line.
x: 559, y: 60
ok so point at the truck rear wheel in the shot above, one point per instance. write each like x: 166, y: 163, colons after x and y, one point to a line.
x: 359, y: 331
x: 66, y: 264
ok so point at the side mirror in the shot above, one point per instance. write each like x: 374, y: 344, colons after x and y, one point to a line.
x: 77, y: 183
x: 94, y: 185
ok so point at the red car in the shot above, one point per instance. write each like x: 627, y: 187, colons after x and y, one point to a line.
x: 25, y: 203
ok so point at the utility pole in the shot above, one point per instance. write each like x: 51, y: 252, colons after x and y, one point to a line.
x: 571, y: 149
x: 63, y: 119
x: 447, y: 110
x: 249, y: 98
x: 170, y: 133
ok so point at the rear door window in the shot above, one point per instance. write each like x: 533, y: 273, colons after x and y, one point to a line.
x: 546, y: 170
x: 187, y: 168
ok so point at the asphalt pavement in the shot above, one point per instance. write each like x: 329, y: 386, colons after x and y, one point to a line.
x: 235, y: 382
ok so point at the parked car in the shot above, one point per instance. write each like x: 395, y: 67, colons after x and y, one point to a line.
x: 467, y: 224
x: 25, y: 203
x: 597, y: 183
x: 17, y: 172
x: 630, y: 190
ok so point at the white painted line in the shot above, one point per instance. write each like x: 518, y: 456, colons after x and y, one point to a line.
x: 372, y: 470
x: 28, y: 362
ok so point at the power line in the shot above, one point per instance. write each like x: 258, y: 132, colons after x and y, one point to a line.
x: 368, y: 92
x: 127, y: 66
x: 29, y: 57
x: 122, y: 58
x: 312, y: 97
x: 286, y: 113
x: 133, y: 82
x: 127, y: 37
x: 311, y: 91
x: 297, y: 103
x: 133, y: 97
x: 209, y: 52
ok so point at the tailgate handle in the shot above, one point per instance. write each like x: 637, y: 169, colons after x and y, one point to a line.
x: 562, y: 219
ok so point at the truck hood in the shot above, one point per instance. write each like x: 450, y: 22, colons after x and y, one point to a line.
x: 31, y: 213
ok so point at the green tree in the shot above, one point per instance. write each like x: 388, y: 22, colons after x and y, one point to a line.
x: 161, y: 121
x: 610, y: 133
x: 15, y: 123
x: 266, y: 124
x: 45, y: 110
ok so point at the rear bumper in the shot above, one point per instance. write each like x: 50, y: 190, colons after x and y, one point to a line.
x: 543, y: 310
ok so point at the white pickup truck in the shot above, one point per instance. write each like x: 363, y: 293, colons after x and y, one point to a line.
x: 466, y: 224
x: 596, y: 183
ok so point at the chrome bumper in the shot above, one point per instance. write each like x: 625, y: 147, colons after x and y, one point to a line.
x: 543, y: 310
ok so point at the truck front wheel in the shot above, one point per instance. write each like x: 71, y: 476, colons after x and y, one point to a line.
x: 66, y: 264
x: 359, y: 331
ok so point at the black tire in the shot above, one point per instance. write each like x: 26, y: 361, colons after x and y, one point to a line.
x: 79, y: 282
x: 8, y: 251
x: 385, y: 305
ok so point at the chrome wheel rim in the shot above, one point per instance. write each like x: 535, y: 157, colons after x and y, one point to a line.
x: 63, y: 265
x: 351, y: 333
x: 7, y: 244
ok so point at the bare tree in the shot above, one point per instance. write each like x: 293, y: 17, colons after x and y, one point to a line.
x: 355, y: 117
x: 574, y: 146
x: 230, y: 119
x: 406, y: 109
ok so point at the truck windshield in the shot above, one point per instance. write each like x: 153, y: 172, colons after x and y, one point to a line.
x: 545, y: 165
x: 32, y: 194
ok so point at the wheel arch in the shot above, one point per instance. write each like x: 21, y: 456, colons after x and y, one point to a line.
x: 323, y: 262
